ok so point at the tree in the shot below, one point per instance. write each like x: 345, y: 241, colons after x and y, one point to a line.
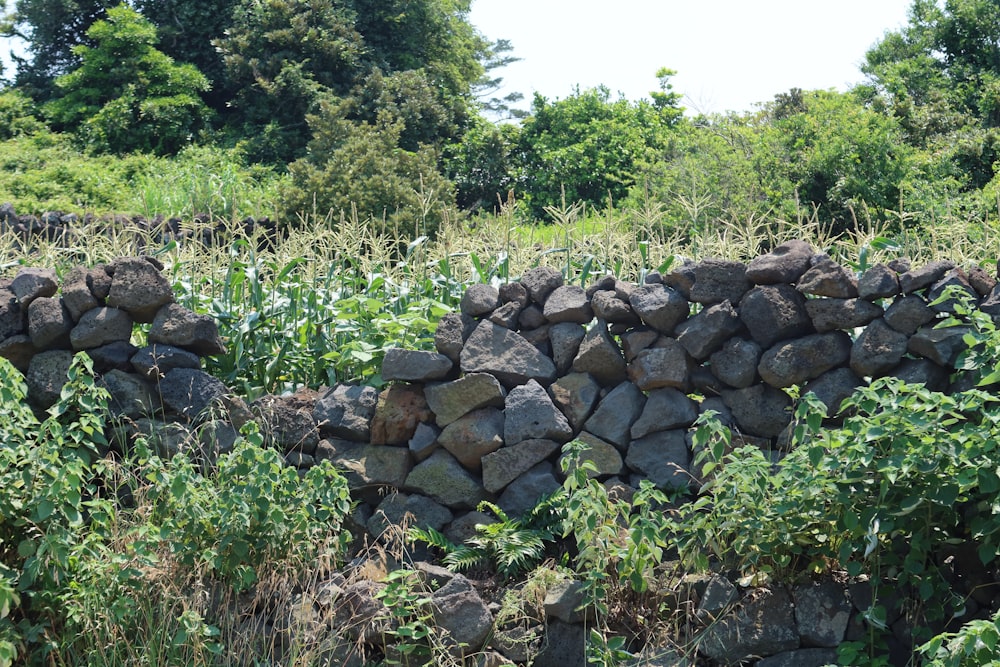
x: 126, y: 96
x: 588, y: 147
x: 482, y: 165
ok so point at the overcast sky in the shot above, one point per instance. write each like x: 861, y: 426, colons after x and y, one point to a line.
x: 728, y: 54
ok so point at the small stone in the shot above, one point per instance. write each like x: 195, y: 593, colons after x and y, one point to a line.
x: 540, y: 282
x: 414, y: 365
x: 479, y: 300
x: 568, y: 303
x: 827, y: 278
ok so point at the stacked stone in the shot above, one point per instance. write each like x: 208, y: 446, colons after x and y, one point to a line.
x: 627, y: 369
x: 43, y: 324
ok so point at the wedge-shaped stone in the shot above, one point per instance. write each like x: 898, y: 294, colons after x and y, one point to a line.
x: 530, y: 414
x: 506, y: 355
x: 450, y: 400
x: 470, y: 437
x: 506, y: 464
x: 600, y: 356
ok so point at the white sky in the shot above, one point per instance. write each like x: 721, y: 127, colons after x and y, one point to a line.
x: 728, y: 54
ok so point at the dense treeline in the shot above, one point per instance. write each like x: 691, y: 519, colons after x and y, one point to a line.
x: 383, y: 109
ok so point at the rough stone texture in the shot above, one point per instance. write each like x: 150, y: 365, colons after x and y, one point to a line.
x: 100, y: 326
x: 704, y: 333
x: 942, y: 346
x: 506, y: 355
x: 524, y: 492
x: 736, y: 363
x: 414, y: 365
x: 155, y: 361
x: 373, y: 465
x: 450, y: 400
x: 798, y: 360
x: 909, y: 313
x: 472, y: 436
x: 681, y: 278
x: 531, y: 317
x: 139, y: 288
x: 803, y: 657
x: 451, y: 334
x: 759, y: 409
x: 49, y: 323
x: 604, y: 456
x: 540, y: 282
x: 833, y: 314
x: 922, y: 371
x: 610, y: 308
x: 663, y: 458
x: 981, y: 280
x: 718, y: 280
x: 636, y: 340
x: 287, y: 423
x: 666, y: 364
x: 400, y: 408
x: 479, y: 300
x: 565, y: 600
x: 564, y: 646
x: 763, y: 625
x: 405, y: 509
x: 660, y: 307
x: 46, y: 376
x: 773, y: 313
x: 822, y: 611
x: 76, y: 294
x: 506, y: 315
x: 568, y: 303
x: 11, y: 316
x: 118, y: 355
x: 345, y: 411
x: 32, y: 283
x: 565, y: 339
x: 719, y: 594
x: 131, y: 396
x: 176, y: 325
x: 925, y: 276
x: 424, y: 441
x: 190, y: 392
x: 18, y: 350
x: 515, y: 293
x: 463, y: 616
x: 600, y: 356
x: 833, y: 387
x: 531, y: 415
x: 615, y: 414
x: 954, y: 278
x: 878, y: 282
x: 665, y: 409
x: 575, y: 395
x: 443, y: 478
x: 785, y: 264
x: 827, y: 278
x: 506, y: 464
x: 877, y: 350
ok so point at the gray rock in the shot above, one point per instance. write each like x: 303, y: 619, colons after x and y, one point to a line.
x: 540, y: 282
x: 925, y: 276
x: 373, y: 465
x: 834, y: 314
x: 719, y: 594
x: 479, y: 300
x: 506, y: 315
x: 190, y: 392
x: 606, y: 459
x: 443, y: 478
x: 908, y: 314
x: 563, y: 647
x: 76, y: 294
x: 100, y: 326
x: 404, y: 510
x: 922, y: 371
x: 49, y: 323
x: 764, y: 625
x: 450, y: 400
x: 600, y: 356
x: 465, y: 526
x: 531, y: 415
x: 463, y: 616
x: 506, y: 464
x: 11, y: 315
x: 139, y: 288
x: 718, y: 280
x: 773, y: 313
x: 113, y: 355
x: 736, y: 363
x: 608, y: 307
x: 176, y: 325
x: 424, y: 441
x: 565, y: 600
x: 514, y: 293
x: 803, y: 657
x: 99, y: 282
x: 288, y: 425
x: 877, y: 350
x: 615, y: 414
x: 565, y: 338
x: 827, y: 278
x: 155, y: 361
x: 665, y: 409
x: 878, y: 282
x: 539, y: 338
x: 568, y: 303
x: 414, y: 365
x: 704, y: 333
x: 666, y: 364
x: 942, y: 346
x: 474, y: 435
x: 723, y: 414
x: 981, y: 280
x: 660, y: 307
x: 400, y: 408
x: 759, y: 409
x: 575, y: 395
x: 524, y: 492
x: 531, y: 317
x: 345, y: 411
x: 167, y: 438
x: 18, y: 350
x: 32, y: 283
x: 663, y: 458
x: 822, y: 611
x: 681, y: 278
x: 131, y: 396
x: 785, y: 264
x: 799, y: 360
x: 833, y: 387
x: 506, y: 355
x: 954, y: 278
x: 636, y: 340
x: 359, y: 614
x: 46, y: 376
x: 451, y: 333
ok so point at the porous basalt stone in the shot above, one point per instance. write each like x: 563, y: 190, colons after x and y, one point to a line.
x: 139, y: 288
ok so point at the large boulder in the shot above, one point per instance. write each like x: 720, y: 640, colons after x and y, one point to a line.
x: 785, y: 264
x: 506, y: 355
x: 801, y: 359
x: 139, y: 288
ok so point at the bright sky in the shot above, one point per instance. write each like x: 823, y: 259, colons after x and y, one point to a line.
x: 728, y: 54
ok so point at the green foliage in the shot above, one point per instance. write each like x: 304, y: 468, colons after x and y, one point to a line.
x: 975, y: 645
x: 411, y: 610
x: 251, y: 511
x: 126, y: 96
x: 483, y: 165
x: 17, y: 117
